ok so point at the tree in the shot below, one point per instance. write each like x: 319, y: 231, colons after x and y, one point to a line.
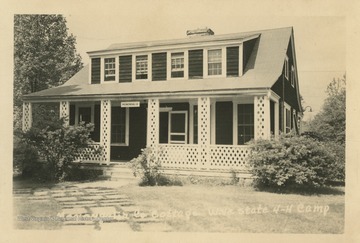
x: 330, y: 122
x: 44, y: 55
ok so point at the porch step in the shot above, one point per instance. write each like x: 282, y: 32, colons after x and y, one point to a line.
x: 118, y: 171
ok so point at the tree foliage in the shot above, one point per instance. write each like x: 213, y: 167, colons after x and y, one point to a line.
x: 330, y: 122
x: 44, y: 55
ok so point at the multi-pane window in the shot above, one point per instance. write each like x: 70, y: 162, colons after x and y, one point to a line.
x: 177, y: 65
x: 118, y: 125
x: 142, y: 67
x: 245, y: 123
x: 214, y: 62
x: 109, y: 69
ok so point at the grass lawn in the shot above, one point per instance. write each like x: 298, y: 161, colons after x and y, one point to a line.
x: 204, y: 208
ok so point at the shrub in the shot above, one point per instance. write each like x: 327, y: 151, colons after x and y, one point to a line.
x: 59, y: 145
x: 299, y: 161
x: 25, y: 159
x: 149, y: 169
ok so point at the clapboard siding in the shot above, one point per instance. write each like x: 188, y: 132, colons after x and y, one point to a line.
x: 232, y: 61
x: 95, y: 70
x: 125, y: 69
x: 195, y: 64
x: 159, y: 66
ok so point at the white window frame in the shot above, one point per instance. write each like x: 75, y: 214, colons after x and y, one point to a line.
x: 127, y: 118
x: 149, y: 66
x: 185, y: 134
x: 292, y: 76
x: 287, y: 108
x: 168, y: 65
x: 102, y: 70
x: 77, y: 106
x: 206, y: 62
x: 286, y: 71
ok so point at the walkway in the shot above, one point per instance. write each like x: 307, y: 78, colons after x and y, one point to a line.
x: 93, y: 206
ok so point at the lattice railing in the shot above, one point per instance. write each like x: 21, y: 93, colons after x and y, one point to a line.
x: 178, y: 155
x: 224, y: 157
x: 229, y: 156
x: 89, y: 154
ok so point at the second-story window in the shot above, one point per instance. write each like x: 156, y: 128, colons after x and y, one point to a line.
x: 177, y: 65
x: 292, y: 78
x: 214, y: 62
x: 286, y: 67
x: 109, y: 69
x: 142, y: 67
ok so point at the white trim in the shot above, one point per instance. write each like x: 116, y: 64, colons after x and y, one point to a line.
x: 213, y: 122
x: 206, y: 61
x: 286, y: 107
x: 286, y: 67
x: 277, y: 118
x: 127, y: 123
x: 292, y: 76
x: 201, y: 43
x: 241, y: 53
x: 149, y: 66
x: 177, y: 133
x: 235, y: 122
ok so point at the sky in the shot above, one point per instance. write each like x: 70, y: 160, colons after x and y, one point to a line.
x: 320, y: 41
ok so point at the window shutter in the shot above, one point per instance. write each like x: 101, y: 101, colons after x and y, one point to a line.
x: 196, y: 64
x: 125, y: 69
x: 159, y: 66
x: 95, y: 70
x: 232, y: 61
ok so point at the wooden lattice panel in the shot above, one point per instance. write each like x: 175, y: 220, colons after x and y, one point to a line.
x: 153, y: 123
x: 178, y: 155
x: 262, y: 117
x: 229, y: 156
x: 204, y: 128
x: 88, y: 155
x: 27, y: 116
x: 105, y: 129
x: 65, y: 111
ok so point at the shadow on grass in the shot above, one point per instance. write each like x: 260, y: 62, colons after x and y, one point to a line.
x: 307, y: 191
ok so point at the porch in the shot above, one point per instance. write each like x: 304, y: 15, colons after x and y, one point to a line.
x: 201, y: 133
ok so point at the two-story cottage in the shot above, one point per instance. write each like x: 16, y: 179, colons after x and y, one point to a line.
x: 196, y: 100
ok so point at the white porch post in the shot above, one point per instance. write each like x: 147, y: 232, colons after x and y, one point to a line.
x: 105, y: 132
x: 27, y: 116
x: 152, y: 123
x: 65, y: 111
x: 276, y: 111
x: 235, y: 122
x: 262, y: 117
x: 203, y: 129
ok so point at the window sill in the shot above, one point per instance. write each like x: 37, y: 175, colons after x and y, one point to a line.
x: 119, y: 144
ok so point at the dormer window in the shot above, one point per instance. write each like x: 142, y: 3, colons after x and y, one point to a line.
x: 177, y: 65
x: 214, y: 62
x: 142, y: 67
x: 109, y: 69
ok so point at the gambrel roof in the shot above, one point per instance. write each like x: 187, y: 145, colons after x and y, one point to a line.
x: 263, y: 69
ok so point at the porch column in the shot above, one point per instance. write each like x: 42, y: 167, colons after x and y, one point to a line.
x: 235, y: 122
x: 105, y: 132
x: 276, y: 115
x: 65, y: 111
x: 203, y: 129
x: 27, y: 116
x: 152, y: 136
x: 262, y: 117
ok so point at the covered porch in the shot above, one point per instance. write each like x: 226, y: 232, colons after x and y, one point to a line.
x: 197, y: 132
